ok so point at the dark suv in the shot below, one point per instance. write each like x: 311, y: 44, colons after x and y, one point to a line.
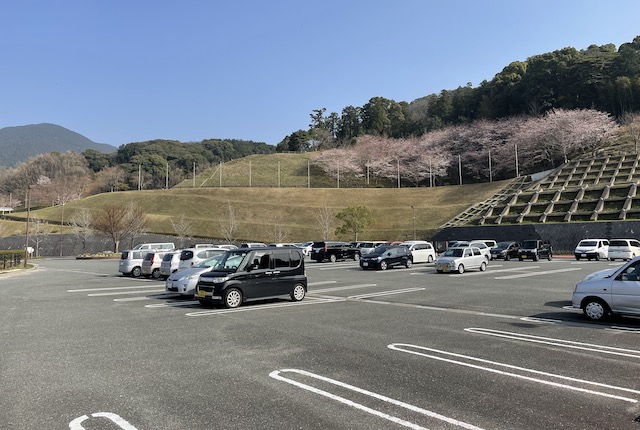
x: 333, y: 251
x: 535, y: 250
x: 505, y: 250
x: 385, y: 256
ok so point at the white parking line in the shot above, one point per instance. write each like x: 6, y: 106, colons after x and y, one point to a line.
x: 260, y: 308
x: 347, y: 287
x: 174, y: 304
x: 321, y: 283
x: 126, y: 292
x: 490, y: 270
x: 402, y: 347
x: 385, y: 293
x: 85, y: 290
x: 546, y: 272
x: 277, y: 374
x: 557, y: 342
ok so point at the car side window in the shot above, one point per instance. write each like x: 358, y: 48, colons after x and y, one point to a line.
x: 467, y: 253
x: 476, y: 252
x: 281, y: 260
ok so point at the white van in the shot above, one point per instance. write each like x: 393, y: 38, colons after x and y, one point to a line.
x: 191, y: 256
x: 155, y: 246
x: 592, y: 248
x: 421, y: 251
x: 624, y: 249
x: 131, y: 262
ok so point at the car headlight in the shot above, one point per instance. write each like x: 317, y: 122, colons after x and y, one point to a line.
x: 193, y: 276
x: 220, y: 280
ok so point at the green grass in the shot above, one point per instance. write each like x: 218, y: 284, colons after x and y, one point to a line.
x: 260, y: 210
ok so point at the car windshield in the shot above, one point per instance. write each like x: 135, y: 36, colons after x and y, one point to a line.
x: 209, y: 262
x: 455, y: 252
x: 380, y: 250
x: 230, y: 261
x: 618, y: 243
x: 503, y: 245
x: 588, y: 243
x: 529, y: 244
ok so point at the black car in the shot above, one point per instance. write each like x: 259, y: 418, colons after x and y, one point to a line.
x: 505, y: 250
x: 535, y: 250
x: 385, y: 256
x: 333, y: 251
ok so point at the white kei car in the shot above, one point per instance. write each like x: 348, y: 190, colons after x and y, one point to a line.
x: 461, y: 259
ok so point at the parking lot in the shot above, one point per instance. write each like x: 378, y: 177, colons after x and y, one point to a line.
x: 85, y: 348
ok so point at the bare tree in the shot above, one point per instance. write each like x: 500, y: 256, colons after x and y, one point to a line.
x: 325, y: 218
x: 280, y: 231
x: 81, y: 226
x: 181, y: 228
x: 228, y: 224
x: 40, y: 229
x: 118, y: 221
x: 631, y: 123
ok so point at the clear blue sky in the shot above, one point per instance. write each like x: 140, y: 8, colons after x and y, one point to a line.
x: 124, y: 71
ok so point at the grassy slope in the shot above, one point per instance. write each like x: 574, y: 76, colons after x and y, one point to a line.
x: 260, y: 209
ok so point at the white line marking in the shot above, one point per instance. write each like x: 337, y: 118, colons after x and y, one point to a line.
x: 385, y: 293
x: 276, y: 374
x: 399, y: 346
x: 546, y: 272
x: 118, y: 420
x: 556, y: 342
x: 542, y: 320
x: 173, y: 304
x: 85, y: 290
x: 321, y: 283
x: 347, y: 287
x: 125, y: 292
x: 80, y: 271
x: 489, y: 271
x: 259, y: 308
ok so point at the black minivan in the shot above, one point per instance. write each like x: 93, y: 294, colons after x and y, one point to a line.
x: 247, y: 274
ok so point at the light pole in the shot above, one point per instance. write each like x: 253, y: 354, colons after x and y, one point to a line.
x: 414, y: 221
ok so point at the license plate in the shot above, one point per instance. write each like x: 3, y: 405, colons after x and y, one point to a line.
x: 202, y: 293
x: 364, y: 263
x: 584, y: 255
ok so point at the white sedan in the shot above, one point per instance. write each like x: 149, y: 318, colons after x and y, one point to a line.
x: 461, y: 259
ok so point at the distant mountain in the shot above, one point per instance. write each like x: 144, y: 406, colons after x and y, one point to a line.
x: 18, y: 144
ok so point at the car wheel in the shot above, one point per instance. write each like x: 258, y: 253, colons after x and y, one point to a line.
x: 298, y: 293
x: 430, y: 259
x: 520, y: 258
x: 597, y: 257
x: 577, y: 258
x: 438, y: 271
x: 333, y: 258
x: 383, y: 265
x: 155, y: 274
x: 408, y: 263
x: 356, y: 256
x: 595, y: 309
x: 483, y: 266
x: 461, y: 268
x: 550, y: 257
x: 136, y: 272
x: 612, y: 259
x: 507, y: 257
x: 535, y: 258
x: 232, y: 298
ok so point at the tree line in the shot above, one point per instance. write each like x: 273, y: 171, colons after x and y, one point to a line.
x: 599, y: 77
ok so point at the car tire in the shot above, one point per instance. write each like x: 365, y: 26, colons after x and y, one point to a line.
x: 461, y: 269
x: 232, y: 298
x: 383, y: 265
x: 535, y: 258
x: 408, y: 263
x: 520, y: 258
x: 595, y: 309
x: 333, y: 258
x: 483, y: 266
x: 356, y: 256
x: 550, y: 257
x: 430, y: 259
x: 136, y: 272
x: 298, y: 292
x: 597, y: 257
x: 155, y: 274
x: 577, y: 258
x: 438, y: 271
x: 507, y: 257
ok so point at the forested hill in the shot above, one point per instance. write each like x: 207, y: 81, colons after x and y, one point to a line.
x: 599, y: 77
x: 17, y: 144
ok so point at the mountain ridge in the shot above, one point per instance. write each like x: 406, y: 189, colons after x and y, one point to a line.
x: 19, y: 143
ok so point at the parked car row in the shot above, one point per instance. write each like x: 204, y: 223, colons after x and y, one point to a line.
x: 597, y: 249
